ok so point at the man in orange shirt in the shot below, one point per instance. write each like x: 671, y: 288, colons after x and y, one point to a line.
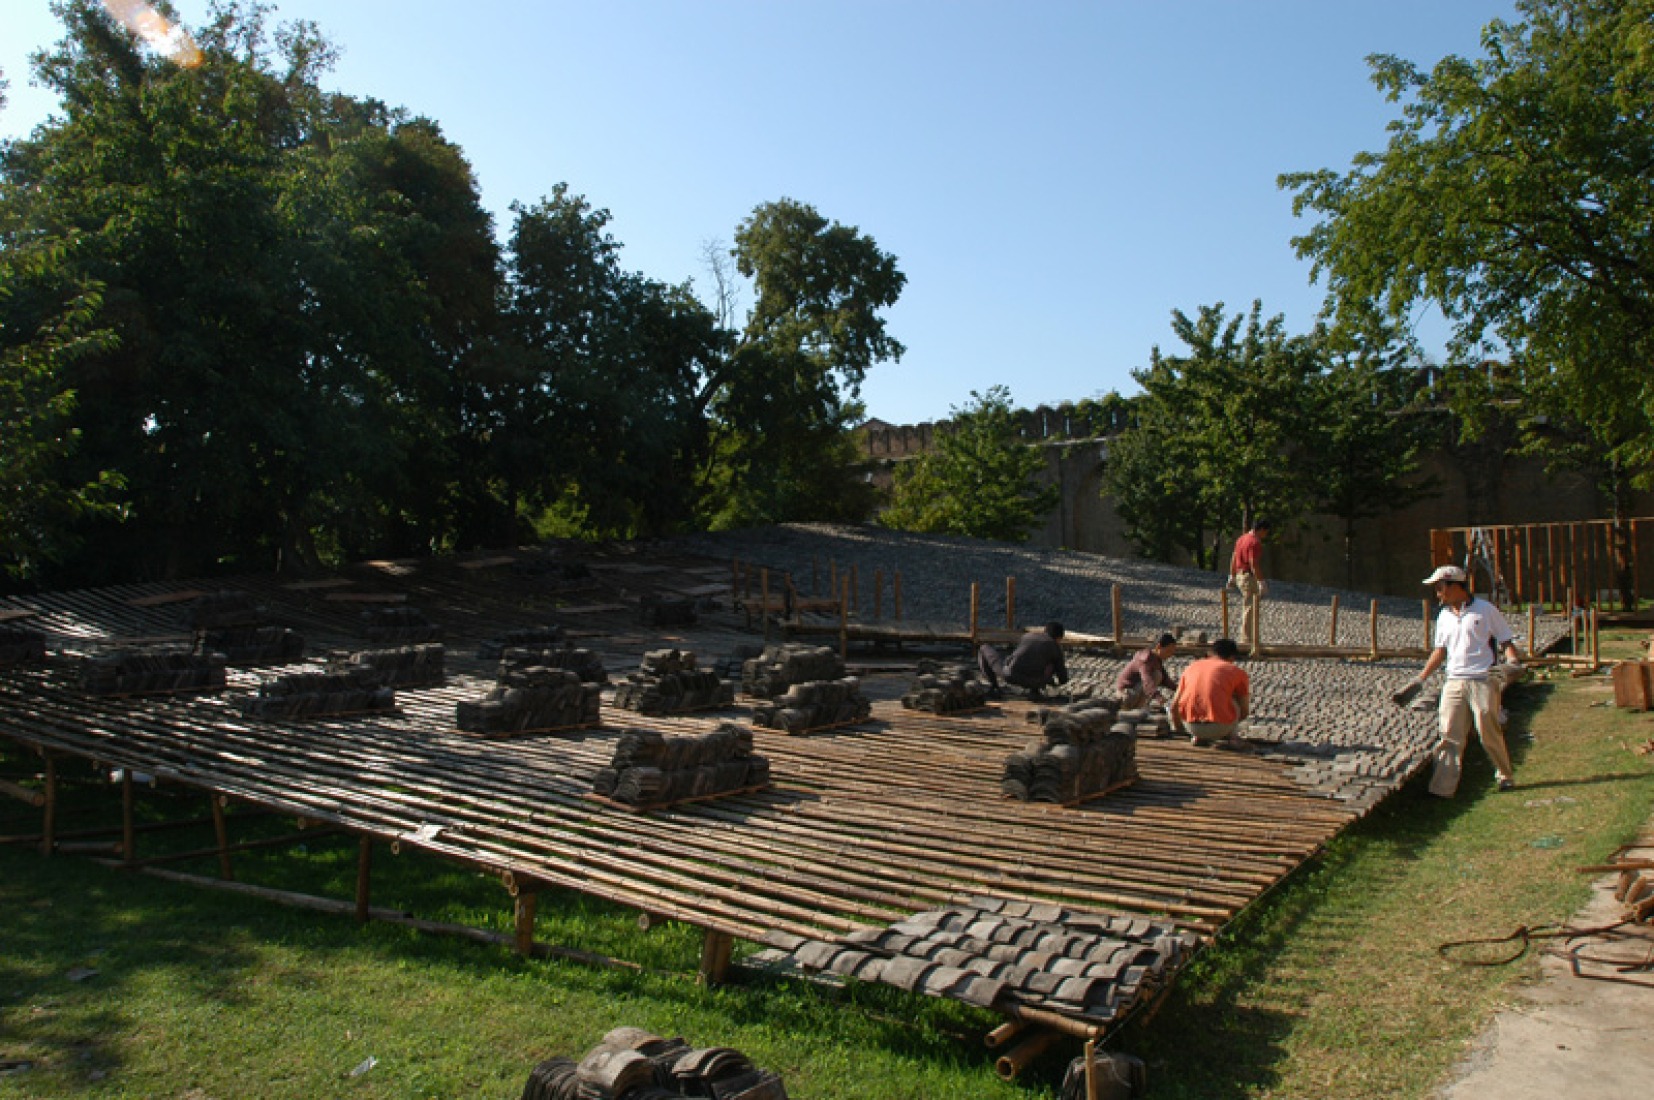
x: 1246, y: 574
x: 1213, y: 697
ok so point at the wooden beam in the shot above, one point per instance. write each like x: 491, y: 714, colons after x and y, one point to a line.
x: 523, y: 921
x: 716, y: 948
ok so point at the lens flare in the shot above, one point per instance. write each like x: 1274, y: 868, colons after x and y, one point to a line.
x: 168, y: 39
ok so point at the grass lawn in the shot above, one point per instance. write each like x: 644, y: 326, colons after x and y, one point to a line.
x: 121, y: 985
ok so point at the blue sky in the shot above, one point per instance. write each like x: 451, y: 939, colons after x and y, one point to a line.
x: 1053, y: 177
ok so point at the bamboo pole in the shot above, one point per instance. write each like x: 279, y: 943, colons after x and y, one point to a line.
x: 764, y: 597
x: 1426, y: 635
x: 23, y: 794
x: 1332, y: 623
x: 1004, y: 1033
x: 129, y: 839
x: 1573, y: 624
x: 1223, y: 599
x: 1533, y: 629
x: 976, y: 603
x: 364, y: 876
x: 48, y: 828
x: 1372, y: 627
x: 523, y: 906
x: 221, y: 830
x: 1015, y: 1060
x: 1596, y: 641
x: 1114, y: 610
x: 1010, y: 603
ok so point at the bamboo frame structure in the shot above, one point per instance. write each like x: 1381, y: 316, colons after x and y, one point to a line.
x: 1538, y: 562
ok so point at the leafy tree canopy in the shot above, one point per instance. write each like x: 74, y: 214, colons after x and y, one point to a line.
x: 1516, y: 195
x: 982, y: 480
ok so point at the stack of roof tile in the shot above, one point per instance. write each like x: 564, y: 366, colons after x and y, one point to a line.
x: 19, y: 644
x: 651, y: 769
x: 532, y: 698
x: 303, y: 695
x: 945, y: 689
x: 402, y: 666
x: 667, y: 682
x: 151, y: 673
x: 1084, y: 751
x: 633, y: 1064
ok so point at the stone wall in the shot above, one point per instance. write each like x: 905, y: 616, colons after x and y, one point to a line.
x: 1478, y: 484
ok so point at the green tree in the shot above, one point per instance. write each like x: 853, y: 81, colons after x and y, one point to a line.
x: 293, y: 279
x: 589, y: 403
x: 1515, y: 194
x: 782, y: 399
x: 982, y: 480
x: 1224, y: 425
x: 38, y: 512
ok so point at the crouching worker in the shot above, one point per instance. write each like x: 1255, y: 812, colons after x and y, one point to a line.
x: 1213, y: 698
x: 1145, y: 674
x: 1035, y: 664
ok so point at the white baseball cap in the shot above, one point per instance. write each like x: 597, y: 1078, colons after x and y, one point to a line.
x: 1446, y: 573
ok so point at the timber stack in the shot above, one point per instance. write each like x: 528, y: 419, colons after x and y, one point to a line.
x: 940, y: 688
x: 401, y: 666
x: 398, y: 625
x: 302, y: 695
x: 1084, y: 751
x: 651, y: 770
x: 668, y: 682
x: 159, y: 672
x: 633, y: 1064
x: 529, y: 699
x: 20, y: 644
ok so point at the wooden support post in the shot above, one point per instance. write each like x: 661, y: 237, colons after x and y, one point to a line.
x: 1010, y: 603
x: 844, y: 620
x: 1596, y: 641
x: 976, y: 603
x: 1550, y: 561
x: 1114, y: 610
x: 1254, y: 604
x: 1533, y: 629
x: 221, y: 829
x: 129, y: 835
x: 1573, y: 626
x: 1092, y: 1091
x: 715, y: 953
x: 896, y: 594
x: 1223, y: 598
x: 1372, y: 629
x: 48, y: 823
x: 878, y: 595
x: 364, y: 876
x: 764, y: 596
x: 1426, y: 604
x: 524, y: 905
x: 1332, y: 623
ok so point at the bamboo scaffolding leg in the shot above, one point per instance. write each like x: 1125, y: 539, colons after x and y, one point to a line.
x: 1223, y: 599
x: 523, y: 907
x: 221, y: 830
x: 364, y: 876
x: 129, y: 837
x: 1372, y: 631
x: 1332, y: 623
x: 1114, y: 610
x: 1010, y: 603
x: 48, y: 826
x: 716, y: 948
x: 1533, y: 629
x: 1426, y: 635
x: 1596, y: 641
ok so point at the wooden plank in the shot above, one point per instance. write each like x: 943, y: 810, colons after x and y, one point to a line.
x: 162, y: 599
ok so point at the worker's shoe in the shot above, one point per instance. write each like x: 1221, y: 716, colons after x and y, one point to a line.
x: 1507, y: 784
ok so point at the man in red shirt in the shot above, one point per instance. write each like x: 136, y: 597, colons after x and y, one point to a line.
x: 1246, y: 573
x: 1213, y: 697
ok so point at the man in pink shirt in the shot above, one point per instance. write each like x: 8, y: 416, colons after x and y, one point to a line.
x: 1213, y: 697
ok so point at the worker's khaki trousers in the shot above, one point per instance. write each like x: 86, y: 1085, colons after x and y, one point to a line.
x: 1464, y: 704
x: 1250, y: 593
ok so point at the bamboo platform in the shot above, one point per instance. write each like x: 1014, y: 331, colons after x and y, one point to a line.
x: 894, y: 815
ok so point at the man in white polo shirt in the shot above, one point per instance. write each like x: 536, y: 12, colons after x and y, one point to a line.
x: 1470, y: 634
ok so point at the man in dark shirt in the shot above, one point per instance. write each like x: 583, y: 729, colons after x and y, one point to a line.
x: 1034, y: 664
x: 1145, y: 674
